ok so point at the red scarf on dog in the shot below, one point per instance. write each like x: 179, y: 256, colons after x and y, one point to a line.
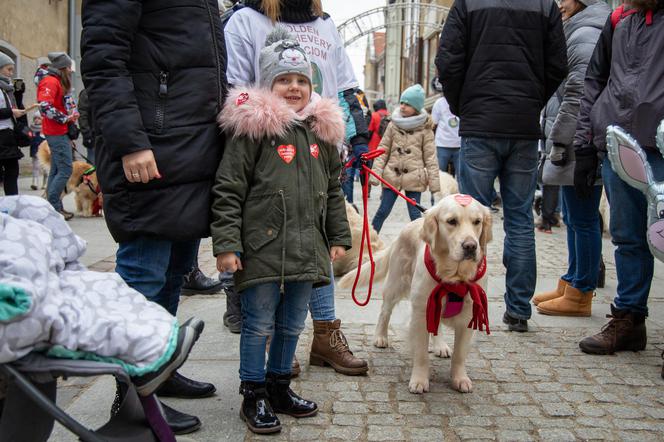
x: 460, y: 289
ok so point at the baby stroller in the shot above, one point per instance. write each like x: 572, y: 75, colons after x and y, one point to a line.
x: 29, y: 408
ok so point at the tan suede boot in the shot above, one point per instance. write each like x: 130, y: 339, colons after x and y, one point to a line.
x: 573, y: 303
x: 330, y: 347
x: 553, y: 294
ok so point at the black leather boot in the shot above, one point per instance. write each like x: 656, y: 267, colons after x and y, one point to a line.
x: 256, y: 410
x: 185, y: 388
x: 180, y: 423
x: 284, y: 400
x: 196, y: 283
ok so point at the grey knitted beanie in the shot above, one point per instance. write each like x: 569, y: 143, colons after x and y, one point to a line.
x: 5, y: 60
x: 59, y: 60
x: 282, y: 54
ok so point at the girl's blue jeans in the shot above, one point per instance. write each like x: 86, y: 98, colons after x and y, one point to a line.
x: 267, y: 312
x: 387, y: 200
x: 584, y: 239
x: 61, y: 160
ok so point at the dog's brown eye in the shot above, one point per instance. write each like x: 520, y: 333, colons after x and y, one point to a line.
x: 477, y: 222
x: 452, y: 222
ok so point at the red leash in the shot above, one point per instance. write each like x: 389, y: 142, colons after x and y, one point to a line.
x: 366, y: 232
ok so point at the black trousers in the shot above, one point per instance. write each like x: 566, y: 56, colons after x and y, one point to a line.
x: 9, y: 173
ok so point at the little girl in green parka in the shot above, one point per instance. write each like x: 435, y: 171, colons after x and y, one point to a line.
x: 278, y: 219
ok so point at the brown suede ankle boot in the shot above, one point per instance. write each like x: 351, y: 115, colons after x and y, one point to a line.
x: 574, y: 302
x: 625, y: 331
x: 553, y: 294
x: 330, y: 347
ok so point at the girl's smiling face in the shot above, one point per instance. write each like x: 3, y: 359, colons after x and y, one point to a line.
x: 295, y: 89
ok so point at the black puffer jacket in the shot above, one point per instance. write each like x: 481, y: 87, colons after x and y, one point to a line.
x: 499, y: 62
x: 155, y: 75
x: 623, y: 84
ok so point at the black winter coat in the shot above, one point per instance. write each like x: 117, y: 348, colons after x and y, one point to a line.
x: 155, y: 75
x: 499, y: 62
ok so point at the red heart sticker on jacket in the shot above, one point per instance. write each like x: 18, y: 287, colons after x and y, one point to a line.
x: 286, y: 152
x: 313, y: 148
x: 462, y: 199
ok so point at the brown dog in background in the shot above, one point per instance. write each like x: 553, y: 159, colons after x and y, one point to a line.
x: 87, y: 195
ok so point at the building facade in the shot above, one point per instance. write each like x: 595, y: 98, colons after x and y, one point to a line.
x: 30, y: 29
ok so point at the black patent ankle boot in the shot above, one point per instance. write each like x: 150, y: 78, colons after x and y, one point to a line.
x: 283, y: 399
x: 256, y: 410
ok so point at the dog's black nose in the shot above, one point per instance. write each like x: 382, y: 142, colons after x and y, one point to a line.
x: 469, y: 248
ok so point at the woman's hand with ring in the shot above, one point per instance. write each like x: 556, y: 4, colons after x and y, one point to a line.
x: 140, y: 166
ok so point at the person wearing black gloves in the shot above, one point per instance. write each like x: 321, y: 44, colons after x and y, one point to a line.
x: 623, y: 87
x: 583, y: 21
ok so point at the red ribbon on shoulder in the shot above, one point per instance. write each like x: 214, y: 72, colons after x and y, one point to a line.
x: 477, y: 294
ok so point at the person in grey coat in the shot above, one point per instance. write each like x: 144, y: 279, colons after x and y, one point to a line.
x: 583, y: 21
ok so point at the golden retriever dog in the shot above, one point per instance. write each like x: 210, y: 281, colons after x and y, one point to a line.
x: 349, y: 261
x: 448, y: 185
x: 85, y: 187
x: 457, y: 230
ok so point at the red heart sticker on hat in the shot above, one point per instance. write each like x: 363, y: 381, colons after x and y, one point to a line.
x: 313, y: 148
x: 286, y: 152
x: 462, y: 199
x: 242, y: 98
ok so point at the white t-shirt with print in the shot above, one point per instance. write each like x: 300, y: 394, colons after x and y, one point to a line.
x: 447, y: 132
x: 245, y: 35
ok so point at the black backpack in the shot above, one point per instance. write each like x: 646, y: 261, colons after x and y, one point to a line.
x: 384, y: 122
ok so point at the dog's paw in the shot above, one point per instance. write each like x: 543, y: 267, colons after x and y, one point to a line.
x: 418, y: 385
x: 380, y: 341
x: 442, y: 350
x: 462, y: 384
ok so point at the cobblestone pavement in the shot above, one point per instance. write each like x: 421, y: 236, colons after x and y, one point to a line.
x: 530, y: 386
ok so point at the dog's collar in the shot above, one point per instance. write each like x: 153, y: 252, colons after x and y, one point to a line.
x: 458, y: 289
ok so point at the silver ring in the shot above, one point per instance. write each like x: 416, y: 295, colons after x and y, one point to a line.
x: 136, y: 175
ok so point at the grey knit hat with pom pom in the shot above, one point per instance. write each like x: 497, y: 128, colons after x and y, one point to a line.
x: 281, y: 55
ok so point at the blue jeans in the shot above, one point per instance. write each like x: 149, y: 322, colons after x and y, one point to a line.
x: 156, y: 268
x: 267, y: 312
x: 447, y: 155
x: 387, y: 200
x: 629, y: 224
x: 514, y: 162
x: 61, y: 160
x: 322, y: 302
x: 349, y: 180
x: 584, y: 238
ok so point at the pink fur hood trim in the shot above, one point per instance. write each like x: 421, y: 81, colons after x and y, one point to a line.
x: 258, y: 113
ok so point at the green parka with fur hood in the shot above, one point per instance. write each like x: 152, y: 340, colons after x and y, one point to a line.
x: 277, y: 195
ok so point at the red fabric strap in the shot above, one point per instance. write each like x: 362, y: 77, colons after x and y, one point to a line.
x: 434, y: 312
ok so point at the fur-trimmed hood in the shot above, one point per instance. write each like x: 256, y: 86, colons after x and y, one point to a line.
x: 258, y: 113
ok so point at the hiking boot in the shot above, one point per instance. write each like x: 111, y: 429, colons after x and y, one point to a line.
x: 625, y: 331
x: 601, y: 276
x: 284, y: 400
x: 233, y: 313
x: 67, y: 215
x: 330, y: 347
x: 515, y: 324
x: 547, y: 296
x: 256, y: 410
x: 196, y: 283
x: 574, y: 302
